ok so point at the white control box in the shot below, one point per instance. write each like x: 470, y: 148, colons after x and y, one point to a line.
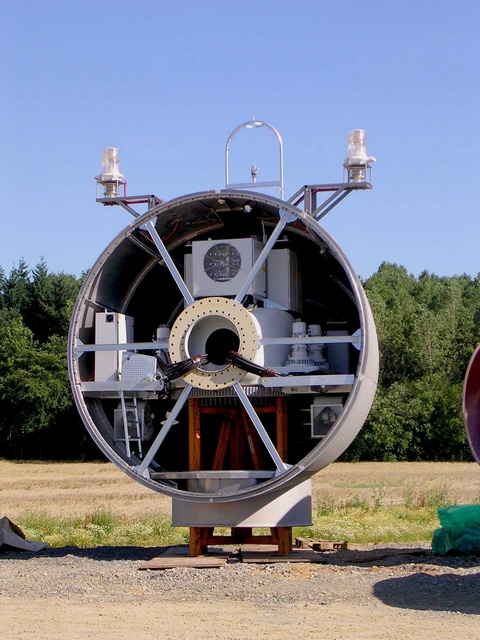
x: 111, y: 328
x: 220, y: 267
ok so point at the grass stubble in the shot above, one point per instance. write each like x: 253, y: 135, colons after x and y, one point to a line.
x: 93, y: 504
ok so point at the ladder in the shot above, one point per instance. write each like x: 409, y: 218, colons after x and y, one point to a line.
x: 131, y: 423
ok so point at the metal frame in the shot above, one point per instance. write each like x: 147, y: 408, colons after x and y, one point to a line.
x: 287, y: 381
x: 359, y: 386
x: 255, y: 124
x: 308, y: 195
x: 288, y: 214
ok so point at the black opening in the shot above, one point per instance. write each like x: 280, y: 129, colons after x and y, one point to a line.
x: 219, y: 343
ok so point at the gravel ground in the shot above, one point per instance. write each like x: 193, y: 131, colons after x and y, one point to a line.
x: 371, y: 592
x: 419, y: 579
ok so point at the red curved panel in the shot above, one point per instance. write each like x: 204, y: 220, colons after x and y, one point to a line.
x: 471, y: 404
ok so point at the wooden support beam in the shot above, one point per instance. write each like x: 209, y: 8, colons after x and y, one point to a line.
x: 222, y: 445
x: 253, y: 442
x: 241, y: 532
x: 282, y: 431
x: 280, y: 410
x: 238, y: 442
x: 201, y: 537
x: 194, y: 436
x: 283, y: 536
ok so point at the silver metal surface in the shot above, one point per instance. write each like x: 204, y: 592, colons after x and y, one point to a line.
x: 140, y: 274
x: 290, y: 508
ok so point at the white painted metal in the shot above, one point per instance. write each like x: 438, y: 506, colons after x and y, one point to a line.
x: 289, y: 508
x: 140, y: 274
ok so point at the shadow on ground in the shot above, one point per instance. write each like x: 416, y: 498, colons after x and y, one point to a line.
x: 378, y: 556
x: 97, y: 553
x: 424, y: 592
x: 397, y: 556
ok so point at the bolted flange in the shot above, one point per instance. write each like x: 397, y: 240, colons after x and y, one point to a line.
x: 200, y: 329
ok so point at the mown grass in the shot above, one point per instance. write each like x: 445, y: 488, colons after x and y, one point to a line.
x: 101, y: 528
x: 354, y: 519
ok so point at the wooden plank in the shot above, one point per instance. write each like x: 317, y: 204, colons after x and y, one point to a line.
x: 198, y: 562
x: 303, y: 543
x: 280, y: 537
x: 241, y: 531
x: 184, y: 549
x: 244, y: 539
x: 237, y: 442
x: 280, y: 410
x: 254, y: 443
x: 326, y: 545
x: 320, y: 545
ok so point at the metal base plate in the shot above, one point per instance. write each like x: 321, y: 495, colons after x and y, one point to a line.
x: 292, y: 508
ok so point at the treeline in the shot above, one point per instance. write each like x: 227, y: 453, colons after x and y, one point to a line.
x: 38, y: 419
x: 428, y: 328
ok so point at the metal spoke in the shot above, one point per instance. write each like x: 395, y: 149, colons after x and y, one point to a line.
x: 167, y: 425
x: 169, y: 263
x: 247, y: 405
x: 285, y: 217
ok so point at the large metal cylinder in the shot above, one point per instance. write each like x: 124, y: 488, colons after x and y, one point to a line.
x: 471, y: 404
x: 216, y: 273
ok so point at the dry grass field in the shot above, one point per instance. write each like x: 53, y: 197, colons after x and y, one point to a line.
x: 75, y: 489
x: 394, y: 483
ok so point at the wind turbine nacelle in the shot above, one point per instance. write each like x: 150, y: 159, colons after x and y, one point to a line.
x: 222, y: 348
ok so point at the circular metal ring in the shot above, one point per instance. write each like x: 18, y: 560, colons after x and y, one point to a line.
x: 203, y: 317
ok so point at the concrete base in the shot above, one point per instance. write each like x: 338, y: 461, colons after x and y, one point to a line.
x: 292, y: 508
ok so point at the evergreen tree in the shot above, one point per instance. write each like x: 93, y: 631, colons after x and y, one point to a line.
x: 17, y: 288
x: 52, y: 300
x: 3, y: 284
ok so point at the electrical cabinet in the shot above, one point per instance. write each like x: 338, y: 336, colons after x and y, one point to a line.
x: 111, y: 328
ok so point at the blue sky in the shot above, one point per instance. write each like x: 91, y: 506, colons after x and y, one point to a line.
x: 168, y: 82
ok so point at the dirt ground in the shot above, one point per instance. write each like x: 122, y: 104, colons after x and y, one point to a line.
x: 368, y: 594
x: 189, y: 621
x: 88, y: 595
